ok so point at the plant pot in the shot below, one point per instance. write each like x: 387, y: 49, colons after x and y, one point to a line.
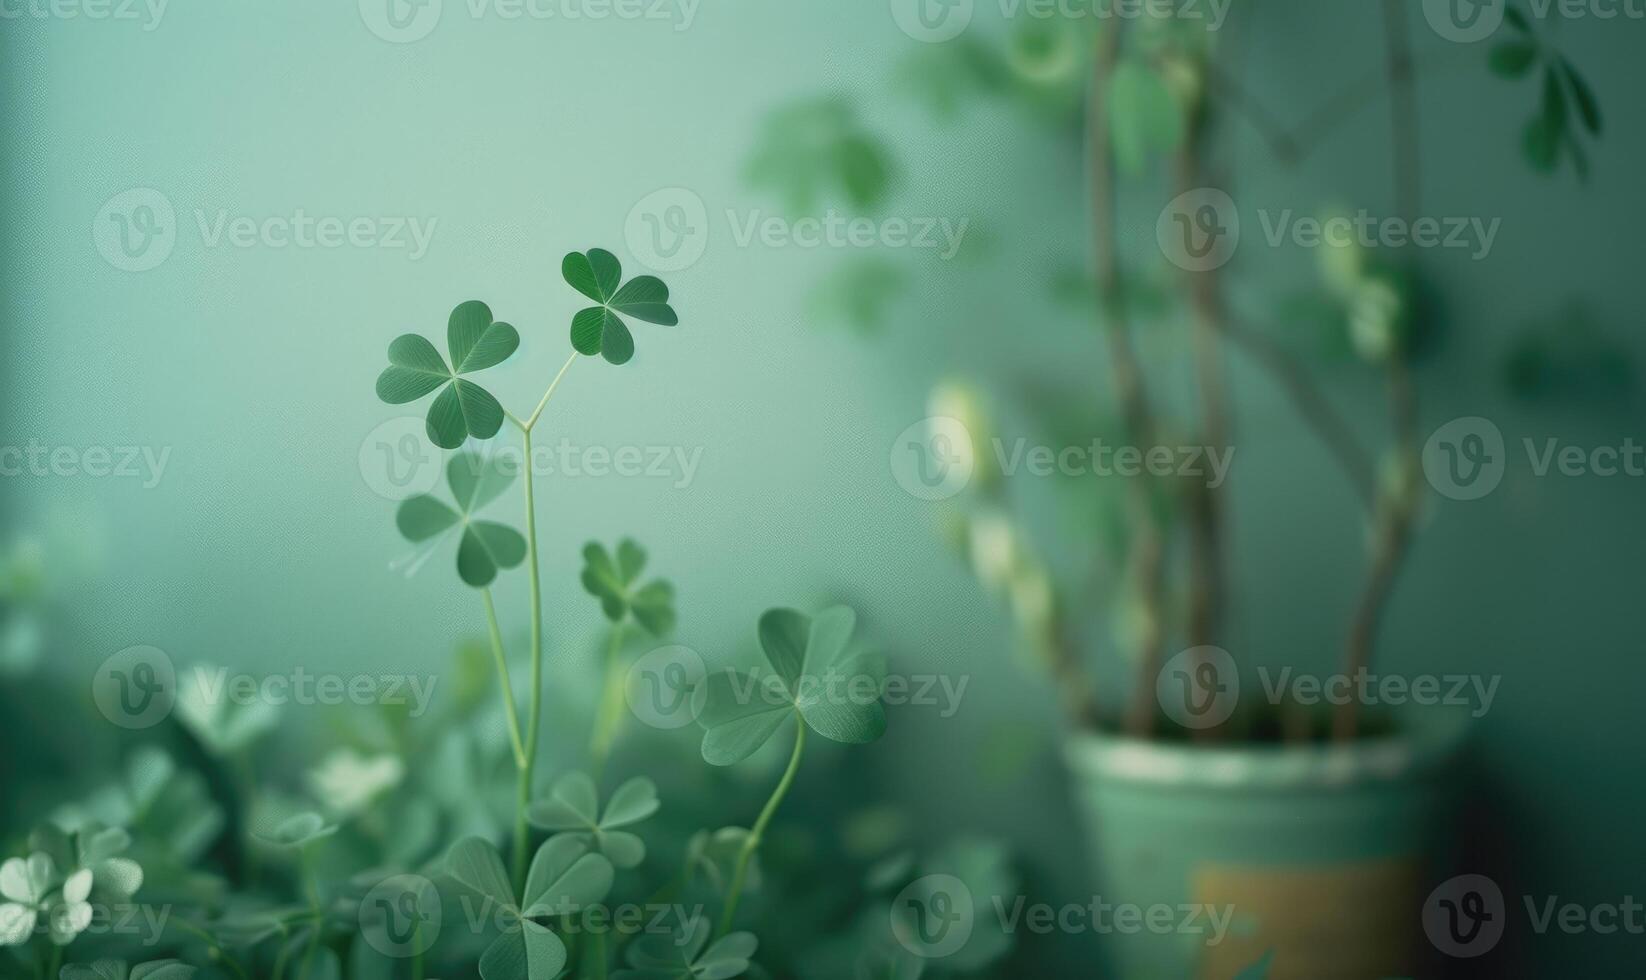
x: 1320, y: 854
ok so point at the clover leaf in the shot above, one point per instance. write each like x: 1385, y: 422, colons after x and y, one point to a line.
x: 475, y: 342
x: 223, y: 725
x: 486, y: 546
x: 95, y: 849
x: 107, y: 969
x: 812, y: 676
x: 298, y: 831
x: 682, y: 956
x: 599, y: 329
x: 574, y: 808
x: 563, y: 879
x: 611, y: 582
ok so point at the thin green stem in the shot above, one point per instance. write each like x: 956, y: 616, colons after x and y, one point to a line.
x: 752, y: 842
x: 609, y: 717
x: 599, y: 956
x: 56, y: 966
x: 535, y: 717
x: 503, y: 678
x: 212, y: 944
x: 531, y: 422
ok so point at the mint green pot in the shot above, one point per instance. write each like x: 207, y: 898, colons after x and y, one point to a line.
x: 1321, y: 855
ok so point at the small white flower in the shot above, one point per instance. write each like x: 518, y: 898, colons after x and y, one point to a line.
x: 25, y: 884
x: 71, y: 914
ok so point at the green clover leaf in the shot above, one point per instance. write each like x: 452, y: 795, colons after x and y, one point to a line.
x: 683, y: 956
x: 812, y: 675
x: 486, y: 546
x: 611, y: 581
x: 463, y: 409
x: 599, y: 329
x: 107, y: 969
x: 94, y: 848
x: 563, y: 879
x: 573, y: 807
x: 298, y: 831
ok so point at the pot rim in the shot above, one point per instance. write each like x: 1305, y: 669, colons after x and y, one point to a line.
x: 1409, y: 754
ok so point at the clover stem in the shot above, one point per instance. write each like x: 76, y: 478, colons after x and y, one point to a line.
x: 600, y: 956
x: 212, y: 944
x: 610, y: 715
x: 535, y: 718
x: 532, y: 421
x: 503, y: 678
x: 752, y: 842
x: 56, y: 966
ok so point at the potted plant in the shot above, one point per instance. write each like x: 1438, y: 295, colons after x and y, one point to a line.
x: 1317, y: 828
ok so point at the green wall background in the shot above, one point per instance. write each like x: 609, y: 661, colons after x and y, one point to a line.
x: 264, y: 545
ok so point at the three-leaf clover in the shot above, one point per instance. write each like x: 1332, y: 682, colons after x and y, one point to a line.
x: 107, y: 969
x: 598, y: 329
x: 812, y: 676
x: 475, y: 341
x: 26, y: 885
x: 563, y: 879
x: 670, y: 956
x: 573, y: 807
x: 96, y: 849
x: 612, y: 583
x: 487, y: 546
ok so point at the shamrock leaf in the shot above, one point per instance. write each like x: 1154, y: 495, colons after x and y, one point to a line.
x: 819, y: 150
x: 298, y: 831
x: 223, y: 725
x: 118, y: 970
x: 24, y: 884
x: 611, y: 581
x: 599, y: 329
x: 682, y: 956
x: 563, y: 879
x: 486, y: 546
x: 94, y: 849
x: 573, y: 808
x: 811, y: 675
x: 463, y: 409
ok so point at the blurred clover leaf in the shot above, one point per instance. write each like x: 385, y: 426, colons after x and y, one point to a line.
x: 1144, y: 116
x: 612, y: 583
x: 812, y: 675
x: 859, y: 293
x: 96, y: 850
x: 713, y: 856
x: 687, y: 954
x: 463, y: 409
x: 812, y: 150
x: 599, y: 329
x: 223, y: 725
x: 107, y: 969
x: 573, y: 807
x: 298, y: 831
x: 486, y: 546
x: 564, y: 878
x: 1567, y: 98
